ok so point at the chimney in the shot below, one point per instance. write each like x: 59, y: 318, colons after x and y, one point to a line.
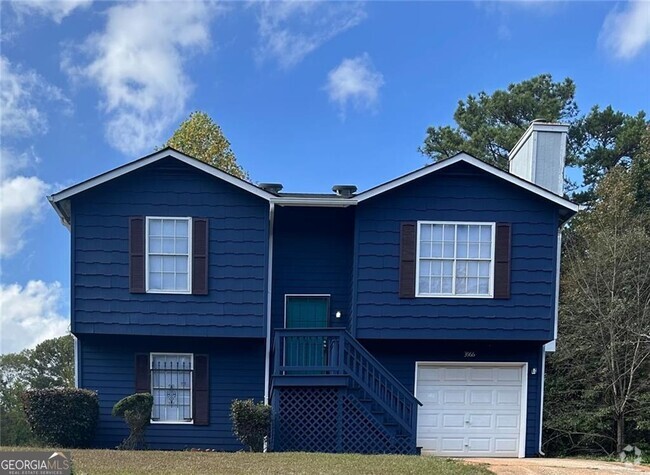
x: 274, y: 188
x: 538, y: 156
x: 344, y: 191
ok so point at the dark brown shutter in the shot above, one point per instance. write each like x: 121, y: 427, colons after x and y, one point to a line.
x: 136, y: 255
x: 199, y: 256
x: 201, y: 390
x: 142, y: 379
x: 502, y: 261
x: 407, y: 247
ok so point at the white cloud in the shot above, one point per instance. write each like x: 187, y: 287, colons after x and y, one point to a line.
x: 626, y: 32
x: 137, y: 63
x: 290, y: 30
x: 12, y: 162
x: 55, y: 9
x: 21, y: 203
x: 355, y: 81
x: 20, y: 91
x: 30, y: 314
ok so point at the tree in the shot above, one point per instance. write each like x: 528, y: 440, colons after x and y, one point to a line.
x: 490, y: 125
x: 199, y: 137
x: 602, y: 140
x: 640, y: 170
x: 49, y: 365
x: 604, y: 401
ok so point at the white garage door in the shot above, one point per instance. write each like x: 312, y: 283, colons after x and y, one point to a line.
x: 471, y: 410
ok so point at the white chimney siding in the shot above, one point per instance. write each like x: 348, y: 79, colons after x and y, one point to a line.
x: 539, y: 155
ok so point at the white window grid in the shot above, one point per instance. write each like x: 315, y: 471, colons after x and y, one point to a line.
x: 455, y: 259
x: 187, y: 254
x: 171, y: 387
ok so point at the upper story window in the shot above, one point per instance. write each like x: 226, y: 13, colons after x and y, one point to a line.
x: 171, y: 387
x: 455, y: 259
x: 168, y: 252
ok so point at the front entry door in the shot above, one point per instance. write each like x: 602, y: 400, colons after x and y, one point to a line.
x: 302, y: 311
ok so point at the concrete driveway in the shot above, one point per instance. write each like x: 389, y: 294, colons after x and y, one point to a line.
x: 550, y: 466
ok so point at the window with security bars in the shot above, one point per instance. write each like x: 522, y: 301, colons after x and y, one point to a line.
x: 168, y: 255
x: 171, y: 387
x: 455, y: 259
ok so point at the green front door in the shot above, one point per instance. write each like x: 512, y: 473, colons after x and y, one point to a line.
x: 306, y: 312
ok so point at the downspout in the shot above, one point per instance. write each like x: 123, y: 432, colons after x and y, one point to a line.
x: 269, y: 288
x: 77, y: 355
x: 541, y: 403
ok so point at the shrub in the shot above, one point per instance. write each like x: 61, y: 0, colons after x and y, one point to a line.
x: 251, y: 422
x: 136, y: 411
x: 62, y: 417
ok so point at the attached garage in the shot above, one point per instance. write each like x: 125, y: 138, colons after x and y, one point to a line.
x: 472, y: 409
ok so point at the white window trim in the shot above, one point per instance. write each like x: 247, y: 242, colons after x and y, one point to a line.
x: 189, y: 256
x: 489, y: 295
x: 162, y: 353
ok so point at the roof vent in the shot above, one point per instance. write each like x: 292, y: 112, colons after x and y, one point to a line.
x: 271, y: 187
x: 344, y: 191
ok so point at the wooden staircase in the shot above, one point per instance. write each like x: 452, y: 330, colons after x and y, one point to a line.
x: 329, y: 394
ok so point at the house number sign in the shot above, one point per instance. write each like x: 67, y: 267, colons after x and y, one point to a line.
x: 470, y: 354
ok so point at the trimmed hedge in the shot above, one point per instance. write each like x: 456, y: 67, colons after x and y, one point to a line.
x: 136, y: 411
x: 251, y: 422
x: 62, y: 417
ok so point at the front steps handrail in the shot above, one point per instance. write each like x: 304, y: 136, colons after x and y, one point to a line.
x: 342, y: 354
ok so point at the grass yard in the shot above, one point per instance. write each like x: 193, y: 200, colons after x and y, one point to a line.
x: 113, y: 462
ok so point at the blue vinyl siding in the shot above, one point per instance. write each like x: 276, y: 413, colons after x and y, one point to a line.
x: 459, y: 193
x: 236, y: 372
x: 238, y: 257
x: 312, y: 254
x: 399, y: 358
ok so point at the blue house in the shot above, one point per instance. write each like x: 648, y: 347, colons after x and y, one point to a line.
x: 414, y: 315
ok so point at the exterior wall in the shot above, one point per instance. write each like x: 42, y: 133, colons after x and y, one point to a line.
x: 312, y: 254
x: 236, y: 371
x: 399, y: 358
x: 458, y: 193
x: 238, y: 220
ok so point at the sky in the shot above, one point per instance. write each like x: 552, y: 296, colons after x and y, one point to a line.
x: 309, y: 95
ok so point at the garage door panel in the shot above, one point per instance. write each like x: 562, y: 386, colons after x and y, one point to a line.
x: 431, y: 374
x: 452, y: 444
x: 481, y: 374
x: 507, y: 421
x: 430, y: 423
x: 508, y: 397
x: 479, y: 444
x: 429, y: 395
x: 453, y: 396
x: 505, y: 445
x: 482, y: 397
x: 453, y: 421
x: 481, y: 421
x: 508, y: 375
x: 470, y: 410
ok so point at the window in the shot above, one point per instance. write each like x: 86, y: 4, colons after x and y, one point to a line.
x: 171, y: 387
x: 169, y: 243
x: 455, y: 259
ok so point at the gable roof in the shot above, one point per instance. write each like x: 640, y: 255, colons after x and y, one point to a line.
x: 60, y: 200
x: 464, y: 157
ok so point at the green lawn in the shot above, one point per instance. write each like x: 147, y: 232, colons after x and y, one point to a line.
x: 113, y: 462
